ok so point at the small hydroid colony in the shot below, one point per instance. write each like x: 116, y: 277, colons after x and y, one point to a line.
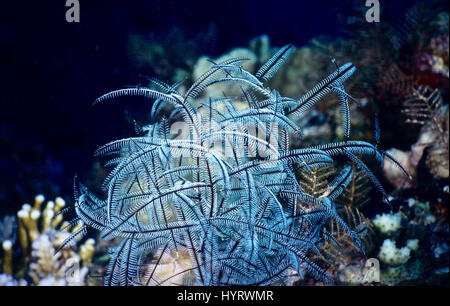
x: 220, y: 202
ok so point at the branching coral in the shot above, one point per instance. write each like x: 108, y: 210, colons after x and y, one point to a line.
x: 41, y: 232
x: 7, y: 238
x: 60, y: 269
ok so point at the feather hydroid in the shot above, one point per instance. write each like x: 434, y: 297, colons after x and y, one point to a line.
x: 221, y: 196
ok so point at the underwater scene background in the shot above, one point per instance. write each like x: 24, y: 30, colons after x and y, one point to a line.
x: 394, y: 228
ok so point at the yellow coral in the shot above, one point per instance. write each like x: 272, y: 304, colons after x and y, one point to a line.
x: 87, y: 252
x: 41, y: 231
x: 62, y: 268
x: 7, y: 258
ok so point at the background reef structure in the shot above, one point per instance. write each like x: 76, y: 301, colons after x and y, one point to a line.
x: 188, y: 212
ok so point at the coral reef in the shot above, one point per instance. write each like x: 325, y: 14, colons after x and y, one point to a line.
x: 391, y: 255
x: 171, y: 56
x: 216, y: 205
x: 423, y: 237
x: 48, y: 268
x: 8, y: 280
x: 303, y: 68
x: 45, y: 261
x: 387, y: 223
x: 424, y: 107
x: 179, y: 209
x: 251, y: 163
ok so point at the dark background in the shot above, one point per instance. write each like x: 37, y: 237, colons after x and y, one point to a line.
x: 51, y: 72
